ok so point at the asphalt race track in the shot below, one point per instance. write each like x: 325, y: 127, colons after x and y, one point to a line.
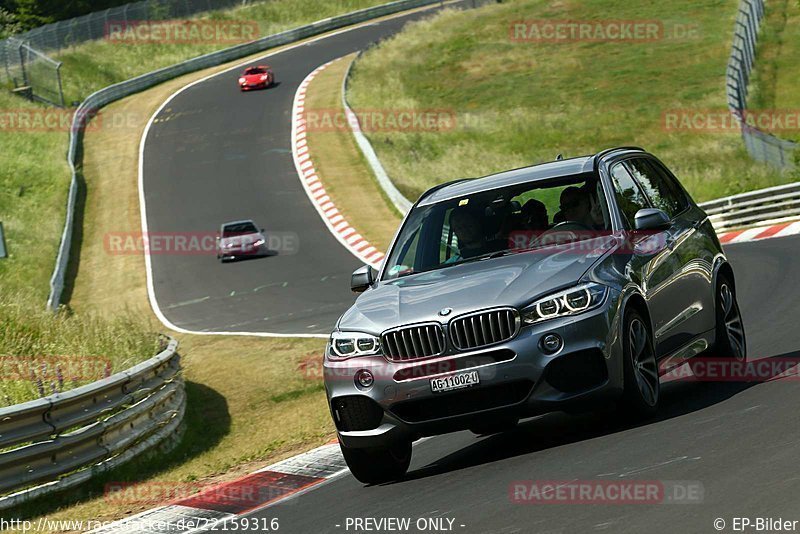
x: 215, y: 155
x: 738, y: 440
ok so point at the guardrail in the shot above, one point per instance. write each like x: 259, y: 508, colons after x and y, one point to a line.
x: 401, y: 203
x: 109, y: 94
x: 761, y: 146
x: 62, y: 440
x: 754, y: 207
x: 398, y: 200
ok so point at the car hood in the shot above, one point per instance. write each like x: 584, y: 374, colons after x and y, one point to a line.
x: 513, y: 280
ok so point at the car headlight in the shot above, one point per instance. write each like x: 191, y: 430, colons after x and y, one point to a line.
x: 343, y: 345
x: 228, y: 245
x: 242, y: 80
x: 568, y: 302
x: 258, y: 243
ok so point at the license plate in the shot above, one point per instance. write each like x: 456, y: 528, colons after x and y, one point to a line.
x: 456, y: 381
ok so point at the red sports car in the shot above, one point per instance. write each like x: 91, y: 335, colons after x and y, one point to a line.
x: 256, y: 78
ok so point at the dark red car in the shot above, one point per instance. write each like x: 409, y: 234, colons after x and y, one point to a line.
x: 259, y: 77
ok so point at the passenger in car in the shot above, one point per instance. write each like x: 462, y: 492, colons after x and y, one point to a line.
x: 534, y: 215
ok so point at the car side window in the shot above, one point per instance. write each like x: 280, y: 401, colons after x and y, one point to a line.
x: 630, y: 197
x: 660, y: 188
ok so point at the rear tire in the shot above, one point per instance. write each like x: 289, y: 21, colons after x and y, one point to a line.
x: 730, y: 340
x: 642, y: 386
x: 376, y: 465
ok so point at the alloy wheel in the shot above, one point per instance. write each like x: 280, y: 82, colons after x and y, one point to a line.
x: 645, y: 368
x: 733, y: 321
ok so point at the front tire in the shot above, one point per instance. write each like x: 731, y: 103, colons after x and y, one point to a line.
x: 376, y: 465
x: 642, y: 388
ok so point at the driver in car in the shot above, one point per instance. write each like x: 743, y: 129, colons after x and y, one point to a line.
x: 467, y: 227
x: 577, y: 207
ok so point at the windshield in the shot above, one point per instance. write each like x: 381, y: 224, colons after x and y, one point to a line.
x: 232, y: 230
x: 503, y: 221
x: 254, y: 70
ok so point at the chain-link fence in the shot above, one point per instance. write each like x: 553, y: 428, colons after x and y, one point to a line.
x: 31, y: 73
x: 42, y: 75
x: 27, y: 68
x: 761, y: 146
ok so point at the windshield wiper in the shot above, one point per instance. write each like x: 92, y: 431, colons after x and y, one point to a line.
x: 487, y: 256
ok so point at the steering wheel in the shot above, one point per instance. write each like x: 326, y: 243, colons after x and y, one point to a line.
x: 569, y: 225
x: 563, y: 232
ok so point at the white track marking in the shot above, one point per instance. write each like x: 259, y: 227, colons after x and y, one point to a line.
x: 315, y: 189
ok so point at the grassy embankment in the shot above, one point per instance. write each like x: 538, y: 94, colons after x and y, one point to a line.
x: 521, y: 102
x: 774, y: 85
x: 340, y: 164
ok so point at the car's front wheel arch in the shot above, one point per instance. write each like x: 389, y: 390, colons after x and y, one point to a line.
x: 725, y: 271
x: 636, y: 302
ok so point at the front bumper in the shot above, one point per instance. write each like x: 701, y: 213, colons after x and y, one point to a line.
x: 240, y: 252
x: 517, y: 379
x: 251, y: 86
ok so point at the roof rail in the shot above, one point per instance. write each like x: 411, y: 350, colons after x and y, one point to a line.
x: 597, y: 157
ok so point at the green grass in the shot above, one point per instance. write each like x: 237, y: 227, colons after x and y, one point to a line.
x: 34, y: 178
x: 94, y: 65
x: 775, y: 84
x: 520, y: 103
x: 42, y: 353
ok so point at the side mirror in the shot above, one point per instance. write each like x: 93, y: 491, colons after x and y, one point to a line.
x: 651, y: 219
x: 362, y: 279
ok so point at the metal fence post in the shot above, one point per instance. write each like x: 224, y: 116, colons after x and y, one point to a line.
x: 22, y: 64
x: 3, y: 248
x: 60, y: 87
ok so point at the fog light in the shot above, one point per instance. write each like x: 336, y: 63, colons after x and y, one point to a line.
x: 364, y: 379
x: 551, y: 343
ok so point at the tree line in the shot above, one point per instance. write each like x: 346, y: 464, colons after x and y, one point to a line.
x: 21, y: 15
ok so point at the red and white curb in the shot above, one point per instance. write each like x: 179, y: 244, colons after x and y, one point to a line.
x: 761, y: 232
x: 315, y: 189
x: 227, y: 501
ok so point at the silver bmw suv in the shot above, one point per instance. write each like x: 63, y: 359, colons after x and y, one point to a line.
x: 533, y: 290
